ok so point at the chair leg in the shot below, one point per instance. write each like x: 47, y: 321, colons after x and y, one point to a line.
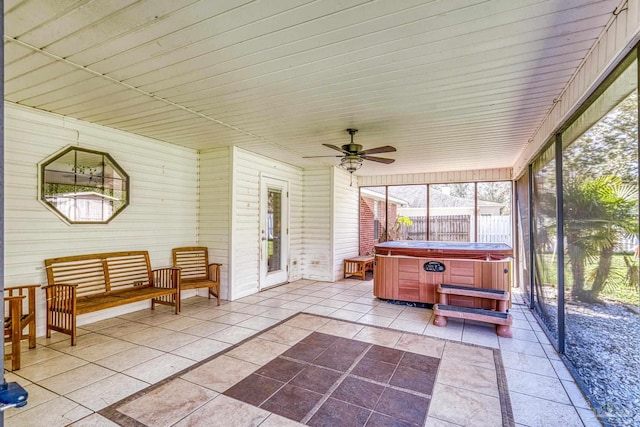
x: 32, y: 314
x: 32, y: 333
x: 16, y: 334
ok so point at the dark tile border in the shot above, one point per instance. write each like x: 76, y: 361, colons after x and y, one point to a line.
x: 503, y: 390
x: 111, y: 413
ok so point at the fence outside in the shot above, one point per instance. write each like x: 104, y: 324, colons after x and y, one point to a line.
x: 491, y: 229
x: 494, y: 229
x: 458, y: 228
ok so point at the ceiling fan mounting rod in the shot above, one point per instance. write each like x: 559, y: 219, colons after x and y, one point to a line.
x: 352, y: 132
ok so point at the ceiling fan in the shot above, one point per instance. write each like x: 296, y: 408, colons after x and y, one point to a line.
x: 353, y: 154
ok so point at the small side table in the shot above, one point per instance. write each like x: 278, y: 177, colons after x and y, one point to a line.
x: 358, y: 266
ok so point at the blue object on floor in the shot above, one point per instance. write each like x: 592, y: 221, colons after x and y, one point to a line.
x: 12, y: 395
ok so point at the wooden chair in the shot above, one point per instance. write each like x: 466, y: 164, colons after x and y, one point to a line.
x: 17, y: 318
x: 196, y: 271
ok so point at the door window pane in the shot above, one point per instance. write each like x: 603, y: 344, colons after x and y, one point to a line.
x: 274, y: 230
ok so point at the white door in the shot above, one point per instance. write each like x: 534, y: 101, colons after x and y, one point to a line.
x: 274, y: 232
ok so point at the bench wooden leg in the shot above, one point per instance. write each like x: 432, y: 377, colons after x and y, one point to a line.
x: 215, y: 291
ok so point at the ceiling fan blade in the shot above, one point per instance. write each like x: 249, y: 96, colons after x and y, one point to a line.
x: 336, y: 148
x: 313, y: 157
x: 379, y: 159
x: 385, y: 149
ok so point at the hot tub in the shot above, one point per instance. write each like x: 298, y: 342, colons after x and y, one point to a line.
x: 410, y: 270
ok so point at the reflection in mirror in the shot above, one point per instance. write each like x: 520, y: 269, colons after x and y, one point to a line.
x: 84, y: 186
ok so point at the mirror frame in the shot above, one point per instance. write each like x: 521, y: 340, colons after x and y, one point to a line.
x: 94, y: 181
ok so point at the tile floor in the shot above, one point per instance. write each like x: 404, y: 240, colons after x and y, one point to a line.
x: 118, y: 357
x: 325, y: 379
x: 334, y: 381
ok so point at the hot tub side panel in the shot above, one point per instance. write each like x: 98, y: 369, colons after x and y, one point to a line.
x: 404, y: 278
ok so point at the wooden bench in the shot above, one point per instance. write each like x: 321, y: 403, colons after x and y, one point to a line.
x: 358, y: 266
x: 499, y: 316
x: 19, y: 316
x: 86, y: 283
x: 196, y: 271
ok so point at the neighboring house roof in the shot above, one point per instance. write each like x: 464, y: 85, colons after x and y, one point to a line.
x: 370, y: 194
x: 438, y: 198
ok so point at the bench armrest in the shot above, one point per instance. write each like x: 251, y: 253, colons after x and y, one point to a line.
x: 61, y: 309
x: 214, y: 272
x: 60, y: 292
x: 166, y: 277
x: 61, y: 298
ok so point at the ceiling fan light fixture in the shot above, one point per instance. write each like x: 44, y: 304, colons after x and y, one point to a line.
x: 353, y: 155
x: 351, y: 163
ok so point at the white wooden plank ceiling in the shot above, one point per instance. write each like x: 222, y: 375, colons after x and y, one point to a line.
x: 452, y: 84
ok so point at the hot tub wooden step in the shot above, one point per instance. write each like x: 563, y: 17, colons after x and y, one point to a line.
x: 470, y: 291
x: 501, y: 320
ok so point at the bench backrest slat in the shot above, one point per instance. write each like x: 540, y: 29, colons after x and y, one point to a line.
x: 129, y: 270
x: 193, y: 262
x: 101, y: 273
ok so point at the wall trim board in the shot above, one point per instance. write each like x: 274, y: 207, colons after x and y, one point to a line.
x: 476, y: 175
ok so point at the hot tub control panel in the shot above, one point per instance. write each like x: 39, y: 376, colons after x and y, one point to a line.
x: 434, y: 267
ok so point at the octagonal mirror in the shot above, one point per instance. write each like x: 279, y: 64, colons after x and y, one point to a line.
x: 84, y: 186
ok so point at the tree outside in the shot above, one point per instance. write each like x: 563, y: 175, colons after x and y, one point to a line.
x: 600, y: 193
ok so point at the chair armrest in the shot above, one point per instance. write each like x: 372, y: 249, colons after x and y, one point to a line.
x: 166, y: 277
x: 214, y: 272
x: 11, y: 290
x: 15, y: 311
x: 25, y: 290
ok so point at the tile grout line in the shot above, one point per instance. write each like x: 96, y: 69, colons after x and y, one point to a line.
x: 336, y: 384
